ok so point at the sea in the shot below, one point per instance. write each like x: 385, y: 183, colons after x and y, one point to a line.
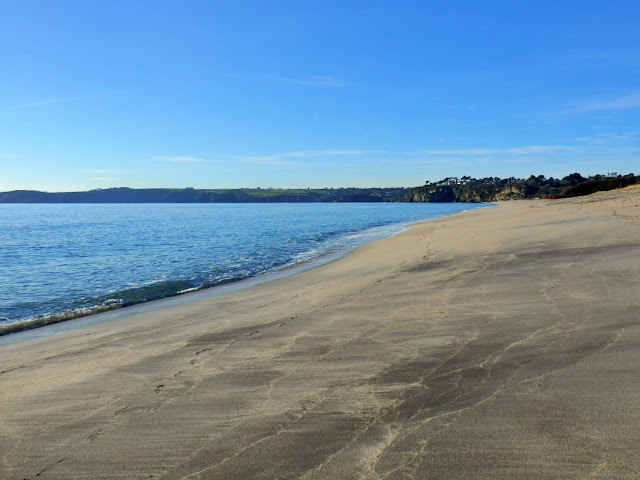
x: 64, y: 261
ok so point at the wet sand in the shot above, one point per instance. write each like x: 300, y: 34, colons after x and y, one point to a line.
x: 498, y: 343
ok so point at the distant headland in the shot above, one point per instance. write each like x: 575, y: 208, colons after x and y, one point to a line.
x: 193, y: 195
x: 450, y: 189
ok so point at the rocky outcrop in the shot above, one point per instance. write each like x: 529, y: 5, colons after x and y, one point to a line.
x: 465, y: 193
x: 433, y: 194
x: 510, y: 192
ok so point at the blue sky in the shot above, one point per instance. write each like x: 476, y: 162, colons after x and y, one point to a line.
x: 96, y: 94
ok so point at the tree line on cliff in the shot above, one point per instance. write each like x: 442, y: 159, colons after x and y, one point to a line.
x: 491, y: 189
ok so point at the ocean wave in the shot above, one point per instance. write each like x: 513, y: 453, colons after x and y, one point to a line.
x: 57, y: 317
x: 324, y: 243
x: 109, y: 271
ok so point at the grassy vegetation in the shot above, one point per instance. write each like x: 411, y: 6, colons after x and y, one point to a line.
x: 217, y: 190
x: 273, y: 192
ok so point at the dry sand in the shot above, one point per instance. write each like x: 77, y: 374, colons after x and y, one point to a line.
x: 499, y: 343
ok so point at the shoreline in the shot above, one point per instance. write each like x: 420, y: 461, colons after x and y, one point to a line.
x: 10, y: 336
x: 495, y: 343
x: 23, y: 330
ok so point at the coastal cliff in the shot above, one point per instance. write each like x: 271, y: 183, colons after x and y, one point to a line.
x: 494, y: 189
x: 431, y: 194
x: 463, y: 193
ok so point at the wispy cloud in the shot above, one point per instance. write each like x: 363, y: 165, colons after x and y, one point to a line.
x: 596, y: 104
x: 44, y: 102
x: 104, y: 179
x: 289, y: 158
x: 466, y: 151
x: 606, y: 138
x: 102, y: 175
x: 525, y: 150
x: 313, y: 81
x: 266, y: 160
x: 178, y: 159
x: 537, y: 149
x: 99, y: 171
x: 322, y: 153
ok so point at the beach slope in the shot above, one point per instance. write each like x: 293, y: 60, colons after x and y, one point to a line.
x: 498, y: 343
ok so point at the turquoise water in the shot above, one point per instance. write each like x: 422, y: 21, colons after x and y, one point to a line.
x: 65, y: 261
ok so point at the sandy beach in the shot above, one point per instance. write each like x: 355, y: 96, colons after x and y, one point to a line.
x: 498, y: 343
